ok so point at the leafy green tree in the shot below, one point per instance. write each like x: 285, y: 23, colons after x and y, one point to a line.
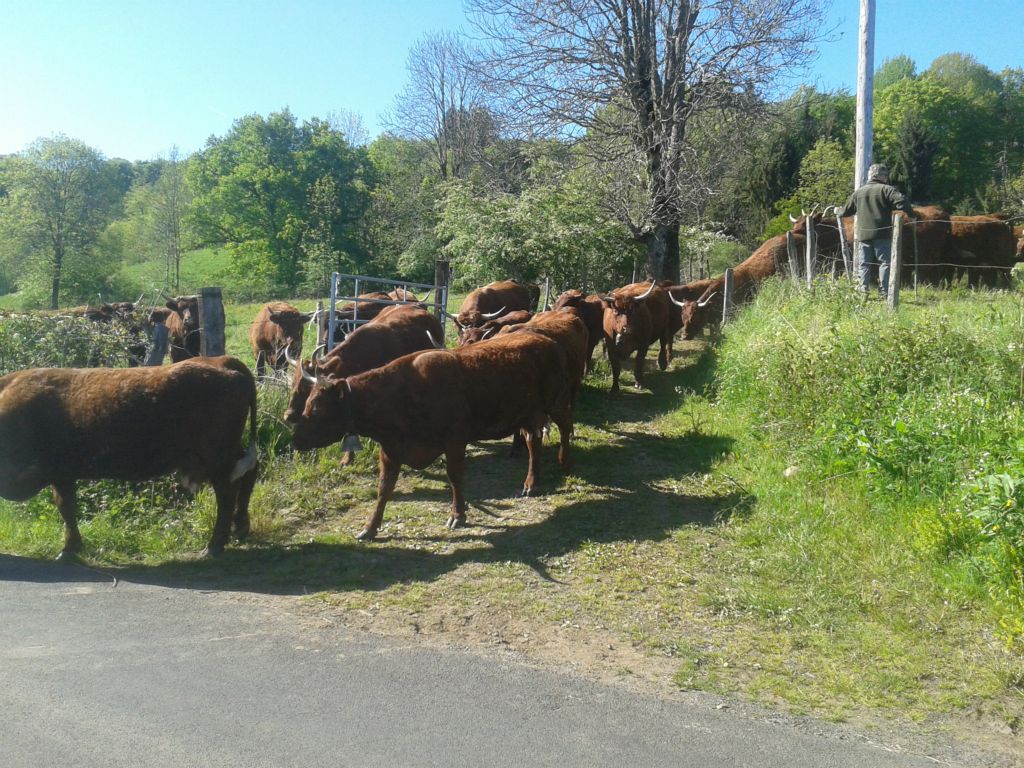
x: 253, y: 192
x: 825, y: 177
x: 893, y: 70
x: 58, y: 200
x: 555, y: 229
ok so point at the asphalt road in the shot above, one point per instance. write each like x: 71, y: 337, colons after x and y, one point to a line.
x: 95, y: 675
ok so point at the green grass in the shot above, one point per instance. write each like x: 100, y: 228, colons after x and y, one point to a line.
x: 852, y: 587
x: 200, y: 268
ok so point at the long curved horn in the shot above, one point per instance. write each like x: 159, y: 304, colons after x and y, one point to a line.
x: 673, y: 300
x: 488, y: 332
x: 318, y: 352
x: 643, y: 296
x: 832, y: 208
x: 291, y: 361
x: 492, y: 315
x: 434, y: 341
x: 707, y: 300
x: 793, y: 218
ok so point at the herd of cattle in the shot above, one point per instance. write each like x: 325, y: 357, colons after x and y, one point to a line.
x: 513, y: 371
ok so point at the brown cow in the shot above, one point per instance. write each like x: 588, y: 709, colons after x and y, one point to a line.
x: 372, y: 304
x: 278, y: 327
x: 985, y: 247
x: 591, y: 310
x: 397, y: 331
x: 566, y: 327
x: 494, y: 300
x: 435, y: 402
x: 493, y: 327
x: 61, y: 425
x: 635, y: 316
x: 183, y: 327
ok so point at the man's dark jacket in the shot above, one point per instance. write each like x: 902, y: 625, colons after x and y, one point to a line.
x: 874, y: 204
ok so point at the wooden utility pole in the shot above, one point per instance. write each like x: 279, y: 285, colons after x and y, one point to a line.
x: 865, y: 86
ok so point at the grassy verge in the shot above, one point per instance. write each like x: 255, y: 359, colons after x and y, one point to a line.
x: 756, y: 523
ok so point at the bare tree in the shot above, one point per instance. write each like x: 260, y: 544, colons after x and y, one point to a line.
x: 170, y: 199
x: 441, y: 104
x: 635, y: 74
x: 351, y: 125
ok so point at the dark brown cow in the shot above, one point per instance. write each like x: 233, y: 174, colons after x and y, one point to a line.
x: 985, y: 248
x: 183, y: 327
x: 363, y: 311
x: 591, y: 310
x: 61, y: 425
x: 494, y: 300
x: 635, y: 316
x: 399, y: 330
x: 435, y: 402
x: 278, y: 327
x: 492, y: 327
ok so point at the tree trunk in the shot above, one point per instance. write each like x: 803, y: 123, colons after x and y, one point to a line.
x: 58, y: 263
x: 663, y: 252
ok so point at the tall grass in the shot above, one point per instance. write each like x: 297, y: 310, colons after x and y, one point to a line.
x: 915, y: 415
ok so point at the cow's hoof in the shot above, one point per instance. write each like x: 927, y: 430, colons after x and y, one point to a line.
x: 367, y: 534
x: 69, y: 557
x: 455, y: 522
x: 213, y: 550
x: 241, y: 533
x: 527, y: 492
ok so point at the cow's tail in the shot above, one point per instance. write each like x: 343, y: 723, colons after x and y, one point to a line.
x: 248, y: 461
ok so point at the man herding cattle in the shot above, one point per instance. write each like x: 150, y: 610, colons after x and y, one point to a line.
x: 874, y: 204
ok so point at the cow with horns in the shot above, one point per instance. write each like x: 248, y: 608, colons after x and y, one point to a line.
x: 182, y: 321
x: 436, y: 402
x: 493, y: 301
x: 397, y: 331
x: 275, y: 334
x: 635, y: 318
x: 62, y: 425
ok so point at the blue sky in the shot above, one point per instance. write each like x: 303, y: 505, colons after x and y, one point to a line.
x: 135, y: 77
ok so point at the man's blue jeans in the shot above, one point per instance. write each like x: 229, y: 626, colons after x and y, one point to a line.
x: 875, y: 256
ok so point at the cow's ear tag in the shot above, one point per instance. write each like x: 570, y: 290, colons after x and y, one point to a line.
x: 351, y: 443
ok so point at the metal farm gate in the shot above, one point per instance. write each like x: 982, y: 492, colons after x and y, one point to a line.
x: 359, y: 283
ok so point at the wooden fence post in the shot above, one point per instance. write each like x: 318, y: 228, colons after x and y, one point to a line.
x: 810, y: 251
x: 442, y: 277
x: 211, y: 322
x: 727, y: 296
x: 794, y: 260
x: 895, y: 263
x: 155, y: 354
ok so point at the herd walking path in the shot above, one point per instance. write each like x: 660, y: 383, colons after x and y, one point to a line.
x: 95, y: 673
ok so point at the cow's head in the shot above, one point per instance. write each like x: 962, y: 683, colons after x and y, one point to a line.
x: 570, y: 298
x: 696, y: 314
x: 474, y: 318
x: 291, y: 324
x: 327, y: 416
x: 304, y: 376
x: 626, y: 318
x: 187, y: 307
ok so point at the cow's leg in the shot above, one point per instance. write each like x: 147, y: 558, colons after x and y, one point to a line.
x: 385, y: 487
x: 226, y: 493
x: 346, y: 458
x: 455, y: 466
x: 261, y: 364
x: 67, y: 504
x: 534, y: 444
x: 638, y: 367
x: 665, y: 355
x: 615, y: 363
x: 243, y: 494
x: 518, y: 444
x: 565, y: 430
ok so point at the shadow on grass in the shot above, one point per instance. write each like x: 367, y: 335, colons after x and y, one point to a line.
x: 640, y: 513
